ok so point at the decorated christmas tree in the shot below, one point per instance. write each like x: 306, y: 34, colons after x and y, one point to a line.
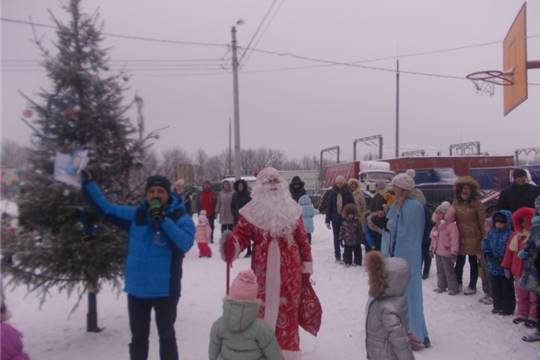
x: 62, y: 243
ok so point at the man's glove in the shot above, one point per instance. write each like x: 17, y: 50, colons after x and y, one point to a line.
x: 431, y: 254
x: 507, y: 274
x: 156, y: 211
x: 328, y: 226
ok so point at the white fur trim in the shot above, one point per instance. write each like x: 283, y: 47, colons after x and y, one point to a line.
x: 273, y: 283
x: 291, y: 355
x: 307, y: 267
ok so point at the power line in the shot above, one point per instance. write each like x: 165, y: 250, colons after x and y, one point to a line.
x: 265, y: 29
x: 259, y: 27
x: 120, y: 36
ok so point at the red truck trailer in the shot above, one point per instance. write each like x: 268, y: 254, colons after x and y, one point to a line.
x: 460, y: 164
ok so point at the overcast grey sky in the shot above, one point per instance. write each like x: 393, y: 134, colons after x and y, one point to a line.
x: 302, y: 111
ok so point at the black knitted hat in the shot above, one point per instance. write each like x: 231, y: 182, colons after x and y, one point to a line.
x: 158, y: 180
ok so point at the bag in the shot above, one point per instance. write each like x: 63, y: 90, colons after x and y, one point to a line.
x: 310, y: 311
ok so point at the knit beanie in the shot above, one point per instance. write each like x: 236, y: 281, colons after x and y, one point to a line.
x: 244, y: 286
x: 443, y: 208
x: 158, y: 180
x: 403, y: 181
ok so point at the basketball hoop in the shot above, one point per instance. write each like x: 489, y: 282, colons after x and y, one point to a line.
x: 485, y: 81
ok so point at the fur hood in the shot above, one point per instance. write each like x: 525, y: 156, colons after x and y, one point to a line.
x: 469, y: 181
x: 387, y: 276
x: 521, y: 214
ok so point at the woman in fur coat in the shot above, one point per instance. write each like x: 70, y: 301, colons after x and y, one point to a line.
x: 386, y: 318
x: 470, y: 216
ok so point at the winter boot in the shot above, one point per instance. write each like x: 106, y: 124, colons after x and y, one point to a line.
x: 469, y: 291
x: 532, y: 337
x: 438, y: 290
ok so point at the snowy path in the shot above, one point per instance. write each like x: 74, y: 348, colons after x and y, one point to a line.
x: 460, y: 327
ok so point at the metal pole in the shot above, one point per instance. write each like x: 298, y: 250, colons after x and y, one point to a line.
x: 237, y: 159
x: 380, y: 147
x: 354, y: 150
x: 397, y: 109
x: 230, y: 146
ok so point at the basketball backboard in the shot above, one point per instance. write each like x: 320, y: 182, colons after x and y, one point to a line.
x: 515, y: 62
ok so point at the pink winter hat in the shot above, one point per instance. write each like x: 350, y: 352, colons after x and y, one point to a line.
x: 244, y: 286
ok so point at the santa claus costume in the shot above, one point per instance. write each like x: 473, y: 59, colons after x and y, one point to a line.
x: 281, y: 256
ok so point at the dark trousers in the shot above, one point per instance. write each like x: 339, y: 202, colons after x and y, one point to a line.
x: 484, y: 275
x: 336, y: 225
x: 502, y: 290
x: 139, y: 323
x: 426, y: 260
x: 225, y: 227
x: 473, y: 264
x: 348, y: 253
x: 211, y: 221
x: 309, y: 238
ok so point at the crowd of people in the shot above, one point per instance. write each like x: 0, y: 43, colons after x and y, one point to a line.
x: 266, y: 305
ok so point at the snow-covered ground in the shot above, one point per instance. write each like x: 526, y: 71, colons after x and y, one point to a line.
x: 460, y: 327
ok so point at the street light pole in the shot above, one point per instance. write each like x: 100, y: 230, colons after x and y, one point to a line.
x: 237, y: 158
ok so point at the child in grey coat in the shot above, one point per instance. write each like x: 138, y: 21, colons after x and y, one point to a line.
x: 387, y: 335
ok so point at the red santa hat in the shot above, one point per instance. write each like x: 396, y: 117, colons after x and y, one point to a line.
x: 244, y: 286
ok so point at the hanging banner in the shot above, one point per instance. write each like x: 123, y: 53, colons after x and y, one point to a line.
x: 67, y: 168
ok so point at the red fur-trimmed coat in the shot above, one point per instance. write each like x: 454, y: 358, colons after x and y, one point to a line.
x: 295, y: 258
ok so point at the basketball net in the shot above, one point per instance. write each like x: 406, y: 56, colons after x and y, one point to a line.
x: 485, y: 81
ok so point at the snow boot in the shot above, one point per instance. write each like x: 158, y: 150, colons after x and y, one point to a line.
x: 469, y: 291
x: 532, y: 337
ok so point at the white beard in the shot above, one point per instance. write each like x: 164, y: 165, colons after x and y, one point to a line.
x: 273, y: 211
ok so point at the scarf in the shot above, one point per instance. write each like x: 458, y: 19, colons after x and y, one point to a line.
x: 514, y: 242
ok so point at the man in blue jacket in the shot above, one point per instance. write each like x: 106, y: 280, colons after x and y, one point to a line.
x: 160, y: 233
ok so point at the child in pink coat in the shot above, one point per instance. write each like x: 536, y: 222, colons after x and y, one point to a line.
x: 12, y: 347
x: 203, y: 234
x: 445, y: 246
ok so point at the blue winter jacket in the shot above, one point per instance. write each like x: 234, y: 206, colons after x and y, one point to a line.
x: 494, y: 244
x: 154, y: 263
x: 308, y: 212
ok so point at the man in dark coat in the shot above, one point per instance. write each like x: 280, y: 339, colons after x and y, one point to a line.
x: 519, y: 194
x: 339, y: 197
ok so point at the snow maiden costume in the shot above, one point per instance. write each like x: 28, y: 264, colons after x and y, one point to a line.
x: 281, y: 260
x: 403, y: 238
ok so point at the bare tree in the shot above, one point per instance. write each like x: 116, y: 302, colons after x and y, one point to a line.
x: 201, y: 158
x: 13, y: 155
x: 171, y: 159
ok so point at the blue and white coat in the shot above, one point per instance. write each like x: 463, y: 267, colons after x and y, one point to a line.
x: 308, y: 212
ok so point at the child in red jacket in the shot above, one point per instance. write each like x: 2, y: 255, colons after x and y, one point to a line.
x: 513, y: 265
